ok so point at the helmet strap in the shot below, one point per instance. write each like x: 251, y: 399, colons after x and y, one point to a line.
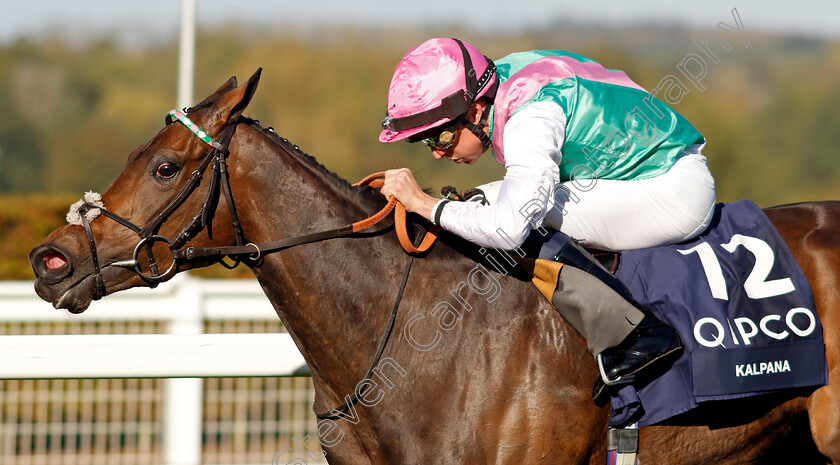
x: 478, y: 129
x: 469, y: 73
x: 473, y: 87
x: 474, y: 83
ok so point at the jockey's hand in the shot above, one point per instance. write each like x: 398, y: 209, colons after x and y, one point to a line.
x: 400, y: 183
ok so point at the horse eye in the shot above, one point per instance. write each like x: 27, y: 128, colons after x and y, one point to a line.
x: 166, y: 170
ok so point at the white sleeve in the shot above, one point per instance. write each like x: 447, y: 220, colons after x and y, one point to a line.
x: 533, y: 141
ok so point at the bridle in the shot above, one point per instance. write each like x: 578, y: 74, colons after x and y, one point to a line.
x: 220, y: 180
x: 220, y: 184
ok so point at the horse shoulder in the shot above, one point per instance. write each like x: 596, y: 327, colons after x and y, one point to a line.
x: 488, y: 354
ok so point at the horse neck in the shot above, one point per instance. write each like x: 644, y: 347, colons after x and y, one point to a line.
x: 330, y: 295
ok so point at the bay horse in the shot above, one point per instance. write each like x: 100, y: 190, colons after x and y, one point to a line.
x: 480, y: 369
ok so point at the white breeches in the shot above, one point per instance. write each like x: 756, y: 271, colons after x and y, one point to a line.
x: 636, y: 214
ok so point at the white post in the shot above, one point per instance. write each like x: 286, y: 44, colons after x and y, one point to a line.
x: 183, y: 397
x: 183, y: 400
x: 186, y: 55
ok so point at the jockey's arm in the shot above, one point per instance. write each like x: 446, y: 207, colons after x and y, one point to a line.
x: 533, y: 140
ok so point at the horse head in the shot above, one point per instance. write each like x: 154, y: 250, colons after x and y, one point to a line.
x: 125, y: 237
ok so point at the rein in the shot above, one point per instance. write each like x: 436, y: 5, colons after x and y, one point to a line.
x: 254, y: 251
x: 220, y: 184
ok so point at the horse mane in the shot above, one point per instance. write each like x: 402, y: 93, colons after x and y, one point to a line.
x: 457, y: 246
x: 290, y: 147
x: 282, y: 141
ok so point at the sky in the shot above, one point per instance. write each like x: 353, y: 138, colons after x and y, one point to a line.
x: 159, y: 19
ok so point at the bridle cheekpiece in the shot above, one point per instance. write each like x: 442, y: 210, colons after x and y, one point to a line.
x: 85, y: 211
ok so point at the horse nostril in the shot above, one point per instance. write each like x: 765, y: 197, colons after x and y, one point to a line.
x: 50, y: 263
x: 54, y: 260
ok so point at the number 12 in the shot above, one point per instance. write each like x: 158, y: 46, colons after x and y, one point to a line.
x: 756, y: 285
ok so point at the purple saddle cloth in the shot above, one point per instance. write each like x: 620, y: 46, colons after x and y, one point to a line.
x: 744, y: 310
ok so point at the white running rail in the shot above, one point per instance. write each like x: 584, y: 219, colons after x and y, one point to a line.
x: 184, y: 353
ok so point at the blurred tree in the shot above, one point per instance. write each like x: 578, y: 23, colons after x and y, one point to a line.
x: 22, y: 155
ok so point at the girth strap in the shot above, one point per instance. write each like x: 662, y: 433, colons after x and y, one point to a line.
x: 623, y: 445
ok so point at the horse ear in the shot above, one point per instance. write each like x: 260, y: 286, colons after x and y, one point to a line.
x: 234, y: 102
x: 250, y: 90
x: 223, y: 89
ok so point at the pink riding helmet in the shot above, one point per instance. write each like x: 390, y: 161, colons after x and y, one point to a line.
x: 435, y: 83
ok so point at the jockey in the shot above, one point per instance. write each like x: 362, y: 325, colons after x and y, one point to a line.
x: 587, y: 152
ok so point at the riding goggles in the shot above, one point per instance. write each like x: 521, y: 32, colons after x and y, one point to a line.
x: 440, y: 138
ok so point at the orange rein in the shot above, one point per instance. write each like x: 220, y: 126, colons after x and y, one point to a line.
x: 376, y: 180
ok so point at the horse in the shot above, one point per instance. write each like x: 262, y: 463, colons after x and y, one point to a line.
x: 479, y: 369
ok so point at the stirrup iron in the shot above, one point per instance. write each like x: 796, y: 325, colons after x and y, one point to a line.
x: 606, y: 379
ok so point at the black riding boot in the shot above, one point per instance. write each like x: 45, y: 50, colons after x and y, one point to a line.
x: 650, y: 344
